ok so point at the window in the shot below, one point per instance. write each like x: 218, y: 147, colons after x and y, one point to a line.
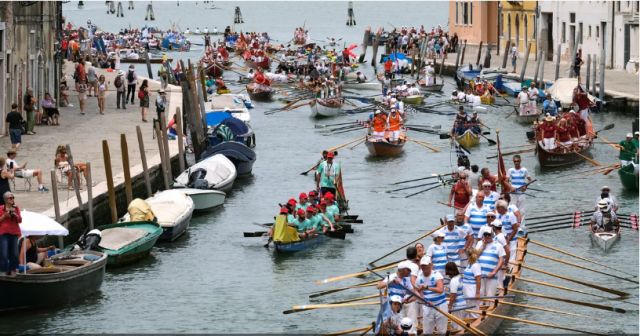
x: 597, y: 31
x: 618, y: 5
x: 471, y: 13
x: 456, y: 13
x: 465, y: 13
x: 589, y: 31
x: 534, y: 31
x: 580, y: 32
x: 572, y: 17
x: 563, y: 37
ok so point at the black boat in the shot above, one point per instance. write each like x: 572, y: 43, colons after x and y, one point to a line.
x: 242, y: 156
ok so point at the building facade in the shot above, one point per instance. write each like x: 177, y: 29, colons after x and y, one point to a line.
x: 474, y: 21
x: 29, y: 50
x: 518, y: 23
x: 594, y: 25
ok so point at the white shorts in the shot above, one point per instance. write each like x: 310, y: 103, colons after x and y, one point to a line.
x: 378, y: 135
x: 567, y: 143
x: 394, y: 135
x: 25, y: 173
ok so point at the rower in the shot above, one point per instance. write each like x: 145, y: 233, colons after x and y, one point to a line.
x: 320, y: 221
x: 606, y: 193
x: 548, y: 134
x: 456, y: 295
x: 401, y: 277
x: 549, y: 106
x: 395, y: 122
x: 461, y: 192
x: 215, y: 30
x: 413, y: 90
x: 437, y: 252
x: 454, y: 96
x: 325, y: 180
x: 313, y: 197
x: 456, y: 129
x: 291, y: 207
x: 477, y: 101
x: 485, y: 175
x: 472, y: 281
x: 491, y: 258
x: 476, y: 214
x: 303, y: 224
x: 563, y: 135
x: 605, y: 219
x: 378, y: 125
x: 627, y: 150
x: 462, y: 114
x: 581, y: 126
x: 490, y: 196
x: 510, y: 224
x: 581, y: 100
x: 197, y: 30
x: 456, y: 240
x: 499, y: 237
x: 523, y: 101
x: 303, y: 202
x: 461, y: 96
x: 518, y: 176
x: 413, y: 309
x: 512, y: 208
x: 475, y: 129
x: 360, y: 77
x: 534, y: 94
x: 431, y: 284
x: 329, y: 198
x: 491, y: 216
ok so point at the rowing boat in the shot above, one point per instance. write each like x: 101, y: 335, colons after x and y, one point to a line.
x: 468, y: 139
x: 430, y: 88
x: 143, y: 60
x: 214, y: 70
x: 301, y: 245
x: 362, y: 86
x: 605, y: 239
x: 380, y: 148
x: 488, y: 99
x: 557, y: 159
x: 262, y: 95
x: 628, y: 177
x: 125, y: 243
x: 415, y: 100
x: 323, y: 109
x: 527, y: 115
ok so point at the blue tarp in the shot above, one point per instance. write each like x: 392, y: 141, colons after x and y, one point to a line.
x: 398, y: 56
x: 237, y: 126
x: 214, y: 118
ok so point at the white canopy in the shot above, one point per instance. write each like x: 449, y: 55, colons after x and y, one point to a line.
x: 562, y: 90
x: 36, y: 224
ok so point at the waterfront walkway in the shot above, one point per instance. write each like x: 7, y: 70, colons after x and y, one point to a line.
x: 84, y: 133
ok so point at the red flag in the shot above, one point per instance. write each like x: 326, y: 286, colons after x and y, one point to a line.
x: 502, y: 170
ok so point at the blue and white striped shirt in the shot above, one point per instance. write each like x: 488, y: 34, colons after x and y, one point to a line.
x: 508, y: 220
x: 455, y: 286
x: 434, y: 298
x: 477, y: 216
x: 438, y: 254
x: 490, y: 201
x: 518, y: 178
x: 470, y: 273
x: 454, y: 240
x: 490, y: 257
x: 395, y: 289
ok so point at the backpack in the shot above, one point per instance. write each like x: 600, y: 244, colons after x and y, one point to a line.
x: 140, y: 94
x: 130, y: 76
x: 118, y: 82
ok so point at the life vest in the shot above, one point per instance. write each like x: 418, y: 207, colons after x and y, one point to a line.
x: 394, y: 121
x: 379, y: 123
x: 220, y: 83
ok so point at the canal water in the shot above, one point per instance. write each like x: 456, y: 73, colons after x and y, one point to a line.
x: 212, y: 280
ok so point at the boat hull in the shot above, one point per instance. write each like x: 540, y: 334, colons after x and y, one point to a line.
x: 142, y: 60
x: 551, y: 160
x: 135, y: 251
x: 30, y: 291
x: 264, y: 64
x: 318, y: 110
x: 468, y: 139
x: 263, y: 96
x: 527, y: 119
x: 628, y: 178
x: 431, y: 88
x: 384, y: 149
x: 363, y: 86
x: 605, y: 239
x: 301, y: 245
x: 214, y: 71
x: 171, y: 233
x: 415, y: 100
x: 206, y: 200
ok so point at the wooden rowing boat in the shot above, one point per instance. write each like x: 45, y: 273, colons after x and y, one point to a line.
x: 263, y: 95
x: 628, y: 177
x: 430, y: 88
x: 488, y: 99
x: 526, y: 115
x: 468, y: 139
x: 142, y: 60
x: 557, y: 159
x: 214, y: 70
x: 605, y: 239
x: 301, y: 245
x: 380, y: 148
x: 323, y: 109
x: 415, y: 100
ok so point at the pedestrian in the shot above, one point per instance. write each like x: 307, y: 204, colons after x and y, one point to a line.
x: 82, y: 95
x: 132, y: 78
x: 161, y: 102
x: 143, y: 96
x: 576, y: 66
x: 514, y: 56
x: 13, y: 126
x: 162, y: 73
x: 29, y: 107
x: 117, y: 57
x: 102, y: 93
x: 10, y: 220
x: 80, y: 74
x: 5, y: 175
x: 120, y: 90
x: 92, y: 81
x: 49, y: 106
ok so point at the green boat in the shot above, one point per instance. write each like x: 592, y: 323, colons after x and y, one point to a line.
x: 414, y: 100
x: 628, y: 178
x: 127, y: 242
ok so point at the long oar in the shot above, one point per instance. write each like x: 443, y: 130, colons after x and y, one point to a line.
x: 349, y: 130
x: 564, y: 214
x: 302, y: 308
x: 310, y: 169
x: 348, y: 143
x: 513, y: 153
x: 582, y: 156
x: 424, y: 178
x: 484, y: 313
x: 605, y: 140
x: 604, y: 289
x: 416, y: 186
x: 579, y: 266
x: 421, y: 191
x: 580, y: 303
x: 453, y: 319
x: 293, y: 102
x: 562, y: 218
x: 342, y: 277
x: 358, y: 144
x: 573, y: 255
x: 569, y: 226
x: 331, y: 291
x: 351, y: 331
x: 331, y: 125
x: 409, y: 243
x: 452, y: 206
x: 543, y: 309
x: 423, y: 145
x: 562, y: 287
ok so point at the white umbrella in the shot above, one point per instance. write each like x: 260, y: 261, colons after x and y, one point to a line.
x: 36, y: 224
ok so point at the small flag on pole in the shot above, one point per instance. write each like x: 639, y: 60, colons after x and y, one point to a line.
x: 460, y: 150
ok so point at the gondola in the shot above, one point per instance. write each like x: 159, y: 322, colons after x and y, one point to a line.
x: 381, y: 148
x: 605, y: 239
x: 557, y: 159
x: 263, y: 95
x: 214, y: 70
x: 628, y: 177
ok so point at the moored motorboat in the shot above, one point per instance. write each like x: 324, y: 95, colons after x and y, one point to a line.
x: 527, y: 115
x: 242, y: 156
x: 549, y: 159
x: 378, y: 147
x: 468, y: 139
x: 215, y: 172
x: 512, y: 88
x: 205, y: 199
x: 173, y: 210
x: 228, y: 103
x: 322, y: 108
x: 224, y: 127
x: 127, y: 242
x: 605, y: 239
x: 629, y: 177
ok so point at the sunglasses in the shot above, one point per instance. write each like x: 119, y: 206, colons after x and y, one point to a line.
x: 463, y: 178
x: 11, y: 198
x: 491, y: 216
x: 487, y: 234
x: 516, y: 161
x: 486, y: 186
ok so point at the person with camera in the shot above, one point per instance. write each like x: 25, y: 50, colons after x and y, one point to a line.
x: 10, y: 220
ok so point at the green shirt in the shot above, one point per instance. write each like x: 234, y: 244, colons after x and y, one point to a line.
x: 334, y: 209
x: 302, y: 206
x: 304, y: 225
x: 627, y: 155
x: 291, y: 219
x: 320, y: 223
x: 329, y: 216
x: 209, y: 83
x: 324, y: 169
x: 635, y: 143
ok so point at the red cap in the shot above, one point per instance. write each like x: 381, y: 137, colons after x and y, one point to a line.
x: 291, y: 201
x: 312, y: 193
x: 330, y: 155
x: 303, y: 195
x: 300, y: 212
x: 323, y: 203
x: 318, y: 205
x: 284, y: 209
x: 311, y: 208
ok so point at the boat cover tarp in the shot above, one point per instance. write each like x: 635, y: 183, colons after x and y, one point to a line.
x: 214, y: 118
x: 284, y: 233
x: 217, y: 168
x: 140, y: 211
x: 36, y: 224
x: 117, y: 238
x: 397, y: 56
x: 562, y: 90
x: 236, y: 126
x: 167, y: 212
x: 219, y: 102
x: 232, y: 145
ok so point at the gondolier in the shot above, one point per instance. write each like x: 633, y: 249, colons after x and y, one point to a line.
x: 518, y: 176
x: 534, y: 94
x: 326, y: 175
x: 523, y: 102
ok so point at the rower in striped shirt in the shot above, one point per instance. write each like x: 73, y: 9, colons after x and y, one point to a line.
x: 456, y: 240
x: 518, y: 178
x: 476, y: 214
x: 491, y: 258
x: 490, y: 197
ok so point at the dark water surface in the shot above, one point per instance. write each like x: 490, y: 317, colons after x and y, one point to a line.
x: 214, y: 280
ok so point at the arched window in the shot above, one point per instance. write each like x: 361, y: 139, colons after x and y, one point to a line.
x: 502, y: 24
x: 534, y: 31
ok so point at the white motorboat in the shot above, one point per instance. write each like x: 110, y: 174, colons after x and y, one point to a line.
x: 231, y: 104
x: 205, y: 199
x: 353, y: 85
x: 217, y: 171
x: 321, y: 109
x: 173, y: 210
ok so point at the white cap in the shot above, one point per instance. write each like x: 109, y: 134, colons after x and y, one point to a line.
x: 559, y: 109
x: 572, y: 111
x: 637, y: 133
x: 485, y: 229
x: 404, y: 264
x: 393, y: 99
x: 603, y: 203
x: 491, y: 213
x: 438, y: 234
x: 426, y: 260
x: 396, y: 298
x: 629, y: 135
x: 377, y: 112
x: 496, y: 223
x: 406, y: 323
x: 486, y: 183
x: 605, y: 187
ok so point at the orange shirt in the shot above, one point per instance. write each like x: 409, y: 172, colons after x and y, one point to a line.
x: 379, y: 123
x: 394, y: 121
